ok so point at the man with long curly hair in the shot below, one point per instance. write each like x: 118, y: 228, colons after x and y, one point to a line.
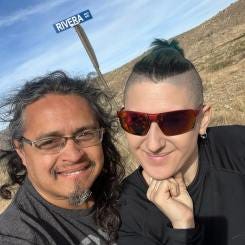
x: 64, y: 160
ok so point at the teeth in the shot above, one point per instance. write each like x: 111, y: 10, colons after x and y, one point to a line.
x: 72, y: 173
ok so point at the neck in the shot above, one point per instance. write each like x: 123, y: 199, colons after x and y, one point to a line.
x: 190, y: 171
x: 65, y: 203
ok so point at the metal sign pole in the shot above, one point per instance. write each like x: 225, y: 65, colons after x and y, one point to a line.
x: 89, y: 49
x: 74, y: 21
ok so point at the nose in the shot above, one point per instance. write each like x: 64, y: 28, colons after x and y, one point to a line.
x: 155, y: 139
x: 71, y: 151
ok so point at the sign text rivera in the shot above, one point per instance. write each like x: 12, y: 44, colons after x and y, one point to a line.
x: 72, y: 21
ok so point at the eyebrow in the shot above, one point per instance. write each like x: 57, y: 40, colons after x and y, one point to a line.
x: 58, y: 133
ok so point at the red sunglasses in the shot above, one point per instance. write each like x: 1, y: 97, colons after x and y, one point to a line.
x: 171, y: 123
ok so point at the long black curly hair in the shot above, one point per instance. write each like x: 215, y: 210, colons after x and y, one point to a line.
x: 106, y: 188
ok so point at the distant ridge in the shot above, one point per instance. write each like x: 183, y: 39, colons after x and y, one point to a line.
x: 217, y: 48
x: 223, y: 28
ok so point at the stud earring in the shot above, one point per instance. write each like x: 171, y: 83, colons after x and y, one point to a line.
x: 204, y: 136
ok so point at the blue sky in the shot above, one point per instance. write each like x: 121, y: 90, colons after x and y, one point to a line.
x: 119, y: 31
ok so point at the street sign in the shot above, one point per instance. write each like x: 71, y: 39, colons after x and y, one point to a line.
x: 72, y: 21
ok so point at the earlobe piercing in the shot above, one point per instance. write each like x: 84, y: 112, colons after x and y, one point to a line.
x: 204, y: 136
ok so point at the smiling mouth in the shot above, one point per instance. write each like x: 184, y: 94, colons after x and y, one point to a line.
x: 75, y: 171
x: 157, y: 155
x: 72, y: 173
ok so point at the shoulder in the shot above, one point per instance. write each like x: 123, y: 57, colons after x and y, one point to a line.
x: 225, y: 173
x: 228, y: 134
x: 19, y: 223
x: 227, y: 176
x: 134, y: 184
x: 11, y: 217
x: 133, y: 201
x: 133, y: 195
x: 12, y: 240
x: 226, y: 181
x: 13, y: 227
x: 137, y: 212
x: 224, y: 147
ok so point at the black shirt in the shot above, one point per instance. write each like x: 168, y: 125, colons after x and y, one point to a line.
x: 218, y: 194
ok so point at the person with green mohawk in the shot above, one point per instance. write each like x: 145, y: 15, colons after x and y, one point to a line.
x: 190, y: 184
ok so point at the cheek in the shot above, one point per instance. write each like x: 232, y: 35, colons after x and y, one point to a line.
x: 133, y: 141
x: 185, y: 143
x: 42, y: 163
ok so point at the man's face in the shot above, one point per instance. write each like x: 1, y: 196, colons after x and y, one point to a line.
x: 56, y: 176
x: 164, y: 156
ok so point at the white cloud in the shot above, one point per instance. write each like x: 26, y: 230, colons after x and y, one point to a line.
x: 23, y: 13
x: 62, y: 56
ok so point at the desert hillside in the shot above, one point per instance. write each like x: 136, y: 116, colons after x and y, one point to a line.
x: 217, y: 48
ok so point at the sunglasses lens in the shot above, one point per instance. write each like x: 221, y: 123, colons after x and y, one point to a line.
x: 177, y: 122
x: 171, y: 123
x: 134, y: 122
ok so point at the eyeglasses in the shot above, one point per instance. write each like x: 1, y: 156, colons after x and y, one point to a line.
x: 54, y: 144
x: 171, y: 123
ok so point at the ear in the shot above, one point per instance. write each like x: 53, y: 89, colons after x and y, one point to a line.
x: 206, y: 116
x: 20, y: 151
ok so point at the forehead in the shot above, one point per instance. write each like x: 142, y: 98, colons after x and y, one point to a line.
x: 63, y: 113
x: 172, y: 93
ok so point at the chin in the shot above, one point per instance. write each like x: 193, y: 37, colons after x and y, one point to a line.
x: 159, y: 174
x: 161, y: 177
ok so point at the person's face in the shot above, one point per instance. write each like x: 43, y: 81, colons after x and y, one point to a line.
x: 164, y: 156
x: 56, y: 176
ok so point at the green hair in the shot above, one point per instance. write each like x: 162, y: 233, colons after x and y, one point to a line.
x: 164, y: 59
